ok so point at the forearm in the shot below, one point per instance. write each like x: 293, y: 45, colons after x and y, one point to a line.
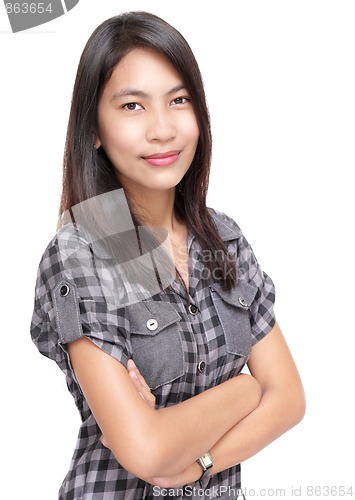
x: 149, y: 442
x: 278, y: 411
x: 202, y: 421
x: 282, y: 406
x: 166, y: 441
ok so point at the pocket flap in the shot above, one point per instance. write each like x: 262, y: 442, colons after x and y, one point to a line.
x: 150, y: 317
x: 242, y: 295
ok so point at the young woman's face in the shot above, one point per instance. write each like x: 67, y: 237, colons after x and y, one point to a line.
x: 146, y: 123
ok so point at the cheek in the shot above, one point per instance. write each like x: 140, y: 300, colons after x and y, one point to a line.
x: 192, y: 132
x: 120, y: 138
x: 195, y: 136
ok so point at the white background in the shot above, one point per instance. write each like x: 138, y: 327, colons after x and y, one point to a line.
x: 280, y: 80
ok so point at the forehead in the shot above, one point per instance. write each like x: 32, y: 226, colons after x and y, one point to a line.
x: 143, y: 69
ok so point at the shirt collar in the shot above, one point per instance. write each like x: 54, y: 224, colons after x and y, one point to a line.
x: 227, y: 228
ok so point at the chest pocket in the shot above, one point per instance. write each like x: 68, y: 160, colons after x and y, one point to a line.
x: 156, y: 342
x: 233, y: 312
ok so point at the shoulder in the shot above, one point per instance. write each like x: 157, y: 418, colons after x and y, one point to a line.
x: 60, y: 251
x: 67, y: 260
x: 238, y: 246
x: 227, y: 228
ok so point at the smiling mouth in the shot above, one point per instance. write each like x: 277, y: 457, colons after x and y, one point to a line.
x: 162, y: 159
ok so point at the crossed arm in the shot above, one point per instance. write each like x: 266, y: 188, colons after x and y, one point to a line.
x: 232, y: 421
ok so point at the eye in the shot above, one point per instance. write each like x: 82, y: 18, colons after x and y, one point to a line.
x: 180, y: 100
x: 132, y: 106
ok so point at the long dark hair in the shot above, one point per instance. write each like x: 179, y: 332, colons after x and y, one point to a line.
x: 88, y: 173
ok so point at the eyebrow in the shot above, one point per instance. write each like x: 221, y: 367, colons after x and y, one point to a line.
x: 132, y: 92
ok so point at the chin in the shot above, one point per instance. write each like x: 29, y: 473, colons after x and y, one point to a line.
x: 164, y: 186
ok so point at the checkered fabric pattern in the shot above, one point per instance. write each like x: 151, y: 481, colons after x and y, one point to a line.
x: 196, y: 345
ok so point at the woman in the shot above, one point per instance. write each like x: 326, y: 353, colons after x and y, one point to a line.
x: 155, y: 365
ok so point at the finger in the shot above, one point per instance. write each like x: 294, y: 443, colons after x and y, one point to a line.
x: 104, y: 441
x: 134, y: 377
x: 132, y: 367
x: 130, y: 364
x: 145, y: 392
x: 142, y: 390
x: 140, y: 384
x: 148, y: 397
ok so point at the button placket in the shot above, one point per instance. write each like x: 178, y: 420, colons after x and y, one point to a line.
x: 201, y: 364
x: 201, y: 367
x: 193, y: 309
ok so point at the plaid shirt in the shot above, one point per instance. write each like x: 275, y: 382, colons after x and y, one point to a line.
x: 182, y: 348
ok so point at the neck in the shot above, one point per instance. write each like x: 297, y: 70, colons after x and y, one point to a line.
x: 156, y: 208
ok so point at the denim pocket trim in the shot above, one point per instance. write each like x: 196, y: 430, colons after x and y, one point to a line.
x: 233, y: 312
x: 156, y: 342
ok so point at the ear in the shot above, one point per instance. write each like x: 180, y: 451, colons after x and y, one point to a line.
x: 97, y: 142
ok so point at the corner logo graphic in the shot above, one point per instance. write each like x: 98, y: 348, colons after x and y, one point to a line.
x: 25, y: 15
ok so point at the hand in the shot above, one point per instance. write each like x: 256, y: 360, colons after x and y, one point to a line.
x: 140, y: 384
x: 142, y: 388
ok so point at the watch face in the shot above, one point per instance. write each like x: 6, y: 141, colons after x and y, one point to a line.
x: 206, y: 461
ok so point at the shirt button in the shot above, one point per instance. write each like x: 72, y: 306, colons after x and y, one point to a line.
x: 193, y: 309
x: 243, y: 302
x: 201, y: 366
x: 64, y: 290
x: 152, y: 324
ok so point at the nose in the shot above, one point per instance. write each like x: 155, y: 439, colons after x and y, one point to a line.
x: 161, y: 126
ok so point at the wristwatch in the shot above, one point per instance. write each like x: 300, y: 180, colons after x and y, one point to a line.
x: 206, y: 463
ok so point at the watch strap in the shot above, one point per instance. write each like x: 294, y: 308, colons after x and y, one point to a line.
x: 206, y: 463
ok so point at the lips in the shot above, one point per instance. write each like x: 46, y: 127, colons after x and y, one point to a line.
x: 162, y: 159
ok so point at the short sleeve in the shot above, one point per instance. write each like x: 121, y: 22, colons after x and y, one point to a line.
x: 261, y: 310
x: 69, y: 304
